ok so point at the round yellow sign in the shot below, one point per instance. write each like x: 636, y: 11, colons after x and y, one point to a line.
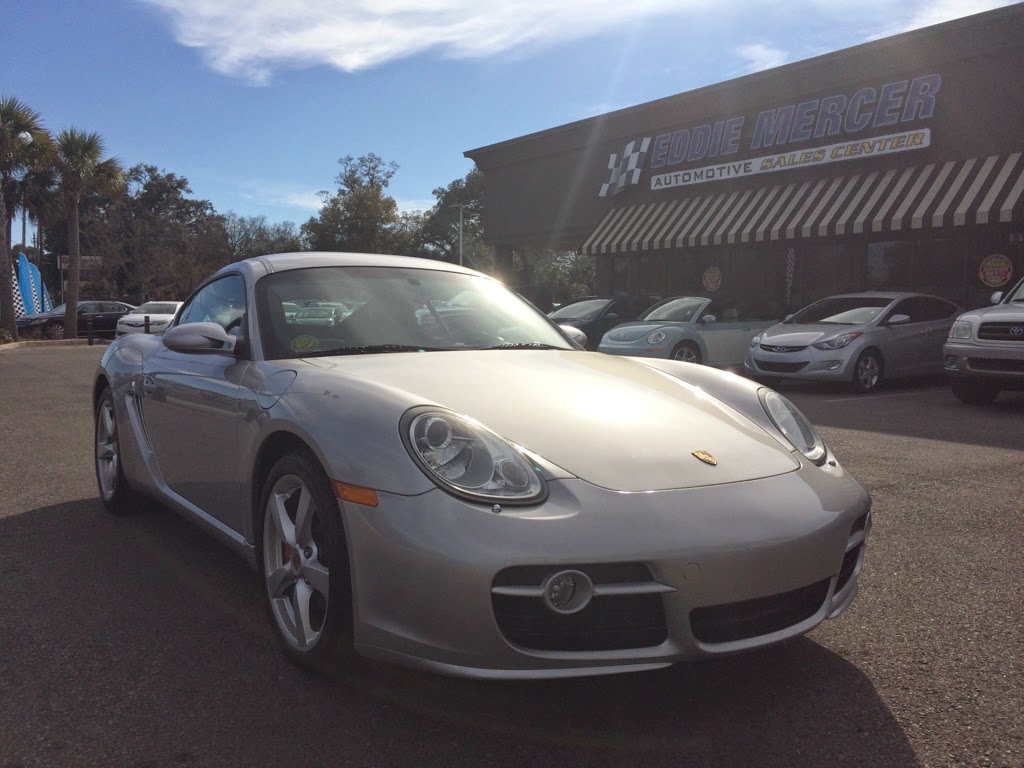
x: 995, y: 270
x: 712, y: 279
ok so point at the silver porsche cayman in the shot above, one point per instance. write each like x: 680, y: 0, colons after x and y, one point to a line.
x: 472, y: 493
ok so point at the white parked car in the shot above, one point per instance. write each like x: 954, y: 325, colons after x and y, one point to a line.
x: 160, y: 314
x: 984, y: 353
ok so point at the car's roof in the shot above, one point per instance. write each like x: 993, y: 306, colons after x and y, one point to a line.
x: 282, y: 262
x: 880, y: 295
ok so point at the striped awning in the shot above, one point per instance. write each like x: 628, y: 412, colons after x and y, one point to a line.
x: 955, y: 193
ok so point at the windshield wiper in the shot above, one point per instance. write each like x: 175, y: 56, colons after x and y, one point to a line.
x: 371, y: 350
x: 523, y: 345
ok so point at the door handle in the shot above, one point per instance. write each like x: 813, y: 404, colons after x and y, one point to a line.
x: 148, y: 385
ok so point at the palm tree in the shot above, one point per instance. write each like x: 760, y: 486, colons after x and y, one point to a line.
x: 20, y: 128
x: 81, y: 170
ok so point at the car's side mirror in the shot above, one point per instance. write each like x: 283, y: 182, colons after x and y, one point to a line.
x: 208, y: 338
x: 611, y: 316
x: 709, y: 319
x: 997, y: 297
x: 786, y: 318
x: 899, y: 319
x: 575, y: 335
x: 81, y: 310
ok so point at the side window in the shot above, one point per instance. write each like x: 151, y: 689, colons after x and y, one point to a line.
x: 221, y: 302
x: 89, y: 308
x: 937, y: 309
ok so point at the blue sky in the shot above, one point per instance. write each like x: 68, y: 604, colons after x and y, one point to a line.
x: 254, y: 101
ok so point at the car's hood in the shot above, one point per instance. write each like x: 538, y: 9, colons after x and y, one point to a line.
x: 611, y: 421
x: 783, y: 335
x: 637, y: 329
x: 41, y: 316
x: 1003, y: 312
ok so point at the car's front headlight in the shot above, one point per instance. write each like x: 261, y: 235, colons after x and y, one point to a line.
x: 656, y: 338
x: 838, y: 342
x: 469, y: 460
x: 962, y: 329
x: 793, y: 425
x: 755, y: 341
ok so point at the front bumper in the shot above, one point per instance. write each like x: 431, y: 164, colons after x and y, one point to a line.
x: 634, y: 349
x: 448, y: 586
x: 808, y: 364
x: 988, y: 361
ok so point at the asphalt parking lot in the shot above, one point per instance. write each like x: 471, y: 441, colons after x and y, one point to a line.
x: 141, y: 642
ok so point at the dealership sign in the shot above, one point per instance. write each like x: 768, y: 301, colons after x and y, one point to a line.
x: 715, y: 151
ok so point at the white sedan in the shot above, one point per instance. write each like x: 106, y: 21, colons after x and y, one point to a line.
x: 159, y: 314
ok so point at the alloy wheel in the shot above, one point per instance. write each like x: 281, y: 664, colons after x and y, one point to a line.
x: 869, y: 371
x: 294, y: 563
x: 108, y: 456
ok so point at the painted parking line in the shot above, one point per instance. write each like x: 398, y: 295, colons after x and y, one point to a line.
x: 869, y: 398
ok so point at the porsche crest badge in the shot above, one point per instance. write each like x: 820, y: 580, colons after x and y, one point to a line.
x: 706, y: 457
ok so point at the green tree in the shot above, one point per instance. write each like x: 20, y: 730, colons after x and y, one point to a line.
x: 360, y: 216
x: 156, y: 238
x: 440, y: 235
x: 81, y: 168
x: 23, y: 143
x: 249, y: 236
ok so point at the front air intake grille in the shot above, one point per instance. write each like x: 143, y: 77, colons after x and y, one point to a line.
x: 764, y: 365
x: 762, y: 616
x: 996, y: 364
x: 1002, y: 331
x: 631, y: 615
x: 848, y: 567
x: 775, y: 348
x: 606, y: 624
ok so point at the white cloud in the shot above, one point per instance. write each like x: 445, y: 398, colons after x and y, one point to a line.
x: 412, y: 206
x: 280, y: 196
x: 757, y: 57
x: 252, y: 38
x: 945, y: 10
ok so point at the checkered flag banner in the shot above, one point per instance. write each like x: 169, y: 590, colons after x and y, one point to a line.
x: 19, y: 305
x: 627, y: 169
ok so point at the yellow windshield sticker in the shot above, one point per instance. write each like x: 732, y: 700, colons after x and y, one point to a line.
x: 304, y: 343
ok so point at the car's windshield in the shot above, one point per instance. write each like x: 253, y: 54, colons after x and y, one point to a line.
x: 393, y: 309
x: 580, y: 310
x: 156, y: 308
x: 679, y: 310
x: 1016, y: 296
x: 841, y: 310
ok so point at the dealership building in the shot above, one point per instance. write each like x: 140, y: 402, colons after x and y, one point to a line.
x: 893, y: 165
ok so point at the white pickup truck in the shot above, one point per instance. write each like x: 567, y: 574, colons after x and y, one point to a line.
x: 984, y: 353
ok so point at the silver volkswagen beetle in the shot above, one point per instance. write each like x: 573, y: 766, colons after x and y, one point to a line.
x: 483, y: 498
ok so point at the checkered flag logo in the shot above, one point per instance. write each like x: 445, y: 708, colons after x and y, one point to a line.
x: 19, y: 305
x: 627, y: 169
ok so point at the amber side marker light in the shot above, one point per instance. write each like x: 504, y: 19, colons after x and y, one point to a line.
x: 355, y: 493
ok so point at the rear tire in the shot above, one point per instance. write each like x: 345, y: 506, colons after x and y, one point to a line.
x: 116, y: 494
x: 687, y: 352
x: 867, y: 372
x: 304, y: 564
x: 974, y: 392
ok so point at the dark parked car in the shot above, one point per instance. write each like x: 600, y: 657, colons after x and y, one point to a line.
x: 596, y: 316
x: 103, y: 315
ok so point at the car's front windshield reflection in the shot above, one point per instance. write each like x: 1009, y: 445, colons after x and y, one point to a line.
x: 343, y: 310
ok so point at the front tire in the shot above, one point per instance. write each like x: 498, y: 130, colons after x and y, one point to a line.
x: 687, y: 352
x: 304, y: 563
x: 115, y: 493
x: 867, y: 372
x: 974, y: 392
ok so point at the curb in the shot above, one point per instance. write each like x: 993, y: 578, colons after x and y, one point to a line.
x: 52, y: 343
